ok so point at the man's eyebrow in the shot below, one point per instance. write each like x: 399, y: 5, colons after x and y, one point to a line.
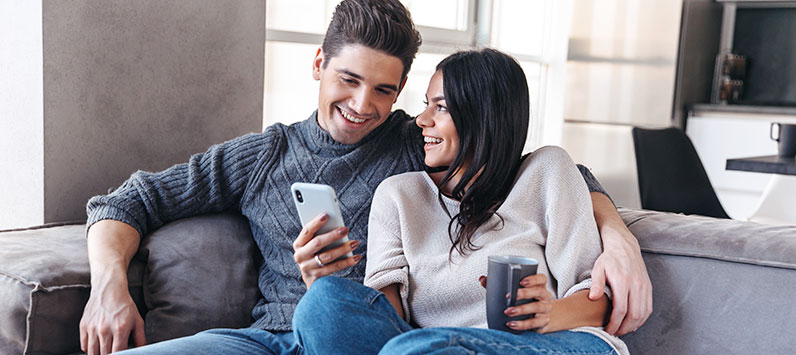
x: 359, y: 77
x: 349, y: 73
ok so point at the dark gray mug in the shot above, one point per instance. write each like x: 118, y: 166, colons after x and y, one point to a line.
x: 504, y: 274
x: 786, y: 139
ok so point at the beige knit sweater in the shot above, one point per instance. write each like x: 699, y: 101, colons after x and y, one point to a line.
x: 547, y: 216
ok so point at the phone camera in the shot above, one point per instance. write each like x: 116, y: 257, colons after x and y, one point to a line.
x: 299, y: 197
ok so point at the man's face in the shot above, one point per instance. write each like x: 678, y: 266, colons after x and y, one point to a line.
x: 358, y: 87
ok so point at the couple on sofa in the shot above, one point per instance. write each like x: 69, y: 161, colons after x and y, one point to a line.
x: 458, y: 190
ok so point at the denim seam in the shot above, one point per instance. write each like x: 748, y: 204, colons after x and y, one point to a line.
x: 464, y: 340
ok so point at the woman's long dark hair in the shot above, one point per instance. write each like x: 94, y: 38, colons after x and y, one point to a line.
x: 487, y: 97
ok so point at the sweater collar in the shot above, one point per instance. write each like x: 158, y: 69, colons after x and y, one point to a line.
x: 319, y: 139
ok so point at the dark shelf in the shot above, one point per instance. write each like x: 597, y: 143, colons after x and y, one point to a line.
x: 771, y: 164
x: 770, y: 110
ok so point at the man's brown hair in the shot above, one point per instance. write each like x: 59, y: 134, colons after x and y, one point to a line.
x: 383, y: 25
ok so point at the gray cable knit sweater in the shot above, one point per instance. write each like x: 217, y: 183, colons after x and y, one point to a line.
x: 252, y: 175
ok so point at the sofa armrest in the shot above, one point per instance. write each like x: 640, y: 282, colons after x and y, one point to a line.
x: 44, y: 286
x: 190, y: 275
x: 719, y: 286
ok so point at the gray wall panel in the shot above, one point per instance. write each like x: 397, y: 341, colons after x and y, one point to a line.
x: 134, y: 85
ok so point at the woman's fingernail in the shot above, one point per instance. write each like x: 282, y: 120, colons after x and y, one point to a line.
x: 324, y: 217
x: 511, y: 324
x: 354, y: 244
x: 343, y: 231
x: 357, y: 258
x: 511, y: 311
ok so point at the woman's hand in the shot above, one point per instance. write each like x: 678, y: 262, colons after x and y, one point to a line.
x: 533, y: 287
x: 314, y: 265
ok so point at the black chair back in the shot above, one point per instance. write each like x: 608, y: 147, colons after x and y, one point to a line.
x: 671, y: 178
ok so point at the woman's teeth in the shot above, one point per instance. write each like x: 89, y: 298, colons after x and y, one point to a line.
x: 432, y: 140
x: 351, y: 118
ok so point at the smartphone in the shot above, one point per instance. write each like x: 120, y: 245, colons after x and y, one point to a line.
x: 313, y: 199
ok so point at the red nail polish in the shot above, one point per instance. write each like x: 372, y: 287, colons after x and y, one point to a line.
x: 324, y: 217
x: 357, y: 258
x: 511, y: 311
x: 511, y: 324
x: 354, y: 244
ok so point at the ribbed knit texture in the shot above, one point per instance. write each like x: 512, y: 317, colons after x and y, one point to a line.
x: 252, y: 174
x: 547, y: 216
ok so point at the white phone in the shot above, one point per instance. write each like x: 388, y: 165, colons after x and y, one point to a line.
x: 313, y: 199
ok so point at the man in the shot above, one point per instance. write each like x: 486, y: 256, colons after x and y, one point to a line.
x: 352, y: 142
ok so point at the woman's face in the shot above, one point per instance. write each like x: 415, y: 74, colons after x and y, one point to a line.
x: 439, y: 132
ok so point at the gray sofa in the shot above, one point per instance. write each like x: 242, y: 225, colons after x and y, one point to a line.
x: 720, y: 286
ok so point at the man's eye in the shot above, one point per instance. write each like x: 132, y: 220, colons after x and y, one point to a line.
x: 384, y: 91
x: 349, y: 81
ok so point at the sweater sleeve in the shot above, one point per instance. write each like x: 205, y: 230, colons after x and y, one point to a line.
x: 572, y: 243
x: 212, y: 181
x: 386, y: 261
x: 592, y: 183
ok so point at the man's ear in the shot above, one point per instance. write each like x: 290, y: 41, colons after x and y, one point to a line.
x: 317, y: 64
x: 400, y: 88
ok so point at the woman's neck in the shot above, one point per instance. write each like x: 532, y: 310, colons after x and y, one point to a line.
x: 448, y: 188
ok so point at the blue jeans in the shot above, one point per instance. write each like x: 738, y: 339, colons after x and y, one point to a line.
x: 225, y: 341
x: 339, y: 316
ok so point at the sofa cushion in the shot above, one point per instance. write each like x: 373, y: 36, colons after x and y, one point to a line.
x: 44, y: 286
x: 201, y: 273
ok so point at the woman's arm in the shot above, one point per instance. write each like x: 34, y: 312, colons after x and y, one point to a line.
x: 394, y: 297
x: 577, y: 310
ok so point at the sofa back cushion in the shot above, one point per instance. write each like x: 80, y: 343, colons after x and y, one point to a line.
x: 201, y: 273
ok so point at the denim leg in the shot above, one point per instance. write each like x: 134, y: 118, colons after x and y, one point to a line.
x: 224, y: 341
x: 340, y: 316
x: 487, y: 341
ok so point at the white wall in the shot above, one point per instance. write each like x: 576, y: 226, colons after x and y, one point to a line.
x: 21, y: 114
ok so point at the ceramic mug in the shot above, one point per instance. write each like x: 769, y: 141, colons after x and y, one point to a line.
x: 786, y: 139
x: 504, y: 274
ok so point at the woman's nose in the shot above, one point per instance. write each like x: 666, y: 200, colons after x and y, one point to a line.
x: 424, y: 119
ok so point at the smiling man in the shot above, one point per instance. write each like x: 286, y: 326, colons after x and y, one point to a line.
x: 352, y: 142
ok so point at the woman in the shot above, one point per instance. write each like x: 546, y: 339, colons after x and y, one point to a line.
x: 430, y: 234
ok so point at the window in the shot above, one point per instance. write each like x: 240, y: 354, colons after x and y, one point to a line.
x: 529, y: 30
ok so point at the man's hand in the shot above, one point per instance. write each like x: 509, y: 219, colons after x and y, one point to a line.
x: 110, y: 316
x: 307, y: 245
x: 109, y: 319
x: 621, y: 266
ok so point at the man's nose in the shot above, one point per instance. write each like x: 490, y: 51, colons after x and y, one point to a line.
x: 360, y: 102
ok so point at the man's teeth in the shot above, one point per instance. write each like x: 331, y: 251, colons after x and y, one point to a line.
x: 352, y: 118
x: 432, y: 140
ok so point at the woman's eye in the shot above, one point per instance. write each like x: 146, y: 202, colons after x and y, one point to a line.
x: 425, y: 103
x: 441, y: 108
